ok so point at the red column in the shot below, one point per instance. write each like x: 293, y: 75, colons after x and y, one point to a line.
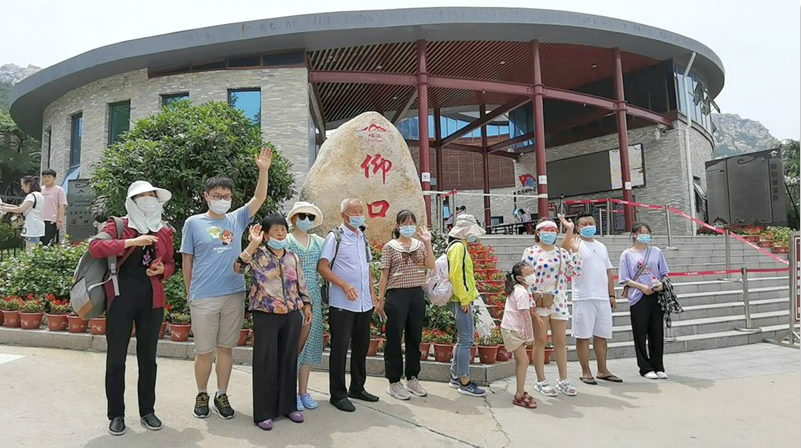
x: 539, y: 132
x: 422, y: 117
x: 440, y: 181
x: 485, y: 165
x: 623, y: 139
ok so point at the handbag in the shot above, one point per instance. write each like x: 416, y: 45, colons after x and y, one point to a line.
x: 18, y: 221
x: 639, y: 272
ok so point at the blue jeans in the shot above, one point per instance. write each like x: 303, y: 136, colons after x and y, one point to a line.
x: 460, y: 366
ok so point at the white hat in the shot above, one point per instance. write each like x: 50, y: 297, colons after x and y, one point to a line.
x: 143, y: 186
x: 465, y: 227
x: 308, y: 208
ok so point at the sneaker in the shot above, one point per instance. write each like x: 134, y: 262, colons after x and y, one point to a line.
x: 396, y: 390
x: 454, y: 383
x: 299, y: 405
x: 117, y: 426
x: 151, y: 422
x: 414, y: 386
x: 223, y: 407
x: 566, y: 388
x: 662, y: 375
x: 472, y: 390
x: 201, y: 405
x: 308, y: 402
x: 545, y: 388
x: 651, y: 376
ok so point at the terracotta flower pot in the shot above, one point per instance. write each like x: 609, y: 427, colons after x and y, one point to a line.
x: 97, y: 326
x: 548, y: 355
x: 163, y: 329
x: 179, y: 332
x: 765, y: 243
x: 30, y: 321
x: 503, y: 355
x: 76, y: 324
x: 372, y: 350
x: 752, y: 238
x: 487, y: 353
x: 1, y: 318
x: 11, y: 319
x: 781, y: 249
x: 425, y: 348
x: 326, y: 337
x: 443, y: 352
x: 243, y: 337
x: 57, y: 322
x: 473, y: 353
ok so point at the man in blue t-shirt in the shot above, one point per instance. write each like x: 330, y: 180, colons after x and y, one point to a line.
x: 216, y: 294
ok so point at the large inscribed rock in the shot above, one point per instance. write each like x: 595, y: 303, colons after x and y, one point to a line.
x: 366, y: 158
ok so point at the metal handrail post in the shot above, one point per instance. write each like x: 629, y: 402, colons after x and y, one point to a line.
x: 728, y: 252
x: 749, y: 328
x: 609, y: 225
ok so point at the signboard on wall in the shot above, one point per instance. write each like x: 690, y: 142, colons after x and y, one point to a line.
x: 80, y: 221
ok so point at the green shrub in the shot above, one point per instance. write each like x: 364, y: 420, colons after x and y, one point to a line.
x: 41, y: 271
x: 179, y: 318
x: 32, y: 306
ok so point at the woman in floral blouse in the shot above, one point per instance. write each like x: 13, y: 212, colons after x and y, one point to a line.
x: 280, y: 305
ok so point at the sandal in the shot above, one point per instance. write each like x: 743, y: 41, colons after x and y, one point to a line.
x: 545, y: 388
x: 589, y: 380
x: 526, y: 401
x: 611, y: 378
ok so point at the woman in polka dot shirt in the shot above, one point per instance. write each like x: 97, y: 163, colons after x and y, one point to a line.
x: 553, y: 266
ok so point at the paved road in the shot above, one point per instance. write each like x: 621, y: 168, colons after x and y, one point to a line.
x: 736, y: 397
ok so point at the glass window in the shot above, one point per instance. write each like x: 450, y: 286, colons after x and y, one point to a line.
x: 248, y: 101
x: 119, y: 120
x: 75, y: 139
x: 166, y: 100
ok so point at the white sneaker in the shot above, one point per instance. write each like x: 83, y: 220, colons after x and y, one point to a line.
x: 396, y: 390
x: 662, y: 375
x: 415, y: 388
x: 652, y: 376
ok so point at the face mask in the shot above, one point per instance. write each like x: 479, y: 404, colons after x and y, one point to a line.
x: 472, y: 239
x: 588, y: 232
x: 276, y: 244
x: 407, y: 231
x: 530, y: 280
x: 148, y: 205
x: 304, y: 225
x: 644, y: 238
x: 356, y: 221
x: 548, y: 237
x: 220, y: 206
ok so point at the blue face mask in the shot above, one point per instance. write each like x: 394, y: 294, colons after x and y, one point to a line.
x: 276, y: 244
x: 304, y: 225
x: 588, y: 232
x: 644, y: 238
x: 548, y: 237
x: 356, y: 221
x: 407, y: 231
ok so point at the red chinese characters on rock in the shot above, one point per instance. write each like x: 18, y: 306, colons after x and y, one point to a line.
x: 377, y: 209
x: 378, y: 163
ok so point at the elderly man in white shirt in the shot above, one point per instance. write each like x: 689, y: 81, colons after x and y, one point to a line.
x: 346, y: 266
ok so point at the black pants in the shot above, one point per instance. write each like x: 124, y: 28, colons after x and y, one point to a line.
x: 51, y: 234
x: 348, y: 327
x: 646, y: 323
x: 124, y: 311
x: 275, y: 364
x: 406, y: 310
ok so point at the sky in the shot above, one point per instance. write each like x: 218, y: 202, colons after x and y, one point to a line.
x: 758, y: 42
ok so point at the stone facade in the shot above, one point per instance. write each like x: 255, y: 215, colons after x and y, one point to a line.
x: 284, y: 111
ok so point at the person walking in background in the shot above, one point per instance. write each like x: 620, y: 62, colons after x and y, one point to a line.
x: 552, y: 266
x: 32, y: 207
x: 345, y: 264
x: 403, y: 273
x: 593, y: 302
x: 145, y: 260
x: 216, y: 294
x: 55, y: 206
x: 641, y: 267
x: 308, y: 247
x: 280, y: 305
x: 460, y: 266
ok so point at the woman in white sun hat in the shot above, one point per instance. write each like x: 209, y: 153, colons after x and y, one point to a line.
x: 145, y: 260
x: 303, y: 217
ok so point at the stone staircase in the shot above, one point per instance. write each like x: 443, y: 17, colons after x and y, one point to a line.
x: 713, y: 304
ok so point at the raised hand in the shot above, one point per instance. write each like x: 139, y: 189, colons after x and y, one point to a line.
x: 567, y: 224
x: 575, y: 243
x: 265, y: 158
x: 255, y: 235
x: 424, y: 234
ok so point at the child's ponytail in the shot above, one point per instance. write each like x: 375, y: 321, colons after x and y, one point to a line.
x: 511, y: 277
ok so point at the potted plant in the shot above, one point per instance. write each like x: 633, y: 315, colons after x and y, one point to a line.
x: 75, y: 324
x: 180, y: 324
x: 31, y: 313
x: 425, y: 344
x: 10, y: 307
x: 57, y: 316
x: 443, y: 345
x: 244, y: 332
x: 97, y: 325
x: 488, y: 348
x: 375, y: 339
x: 751, y: 233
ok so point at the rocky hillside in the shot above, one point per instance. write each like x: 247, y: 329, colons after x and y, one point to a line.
x: 11, y: 74
x: 737, y: 135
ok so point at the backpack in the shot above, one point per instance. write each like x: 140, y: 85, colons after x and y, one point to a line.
x: 325, y: 286
x: 87, y: 295
x: 439, y: 288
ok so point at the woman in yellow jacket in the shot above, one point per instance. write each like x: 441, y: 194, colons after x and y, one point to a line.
x: 460, y: 266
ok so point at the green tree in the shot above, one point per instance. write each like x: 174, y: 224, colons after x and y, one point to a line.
x: 179, y: 149
x: 19, y: 155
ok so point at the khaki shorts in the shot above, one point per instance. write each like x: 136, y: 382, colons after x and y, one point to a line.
x: 216, y: 321
x: 512, y: 340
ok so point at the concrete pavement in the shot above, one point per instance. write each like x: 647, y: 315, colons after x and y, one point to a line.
x: 740, y: 396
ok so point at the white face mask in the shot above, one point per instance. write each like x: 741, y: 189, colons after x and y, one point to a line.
x: 220, y: 206
x: 149, y: 205
x: 530, y: 279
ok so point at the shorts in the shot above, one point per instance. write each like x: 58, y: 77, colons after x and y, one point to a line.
x: 512, y: 340
x: 592, y: 318
x: 557, y: 311
x: 216, y: 321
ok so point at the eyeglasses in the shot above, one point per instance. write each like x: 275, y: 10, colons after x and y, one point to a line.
x: 306, y: 215
x: 221, y: 198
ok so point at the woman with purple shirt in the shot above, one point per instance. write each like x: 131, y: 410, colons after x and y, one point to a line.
x: 642, y: 291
